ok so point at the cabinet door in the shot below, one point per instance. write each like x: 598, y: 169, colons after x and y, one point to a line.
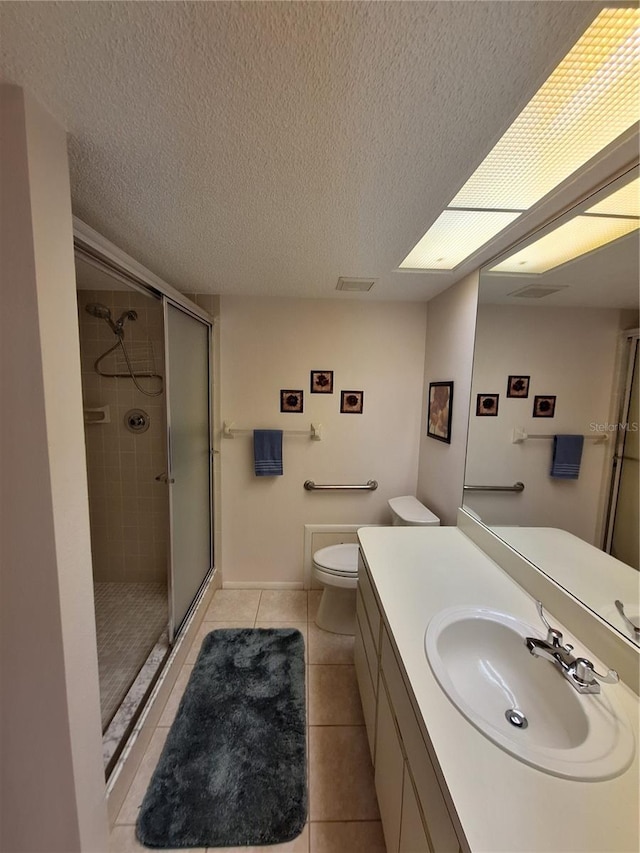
x: 413, y: 838
x: 367, y: 695
x: 389, y: 771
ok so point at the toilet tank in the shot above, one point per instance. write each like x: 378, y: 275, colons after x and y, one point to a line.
x: 407, y: 511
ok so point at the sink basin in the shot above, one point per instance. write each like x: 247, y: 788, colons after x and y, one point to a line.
x: 523, y: 703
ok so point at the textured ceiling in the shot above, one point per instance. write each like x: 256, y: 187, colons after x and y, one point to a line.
x: 271, y: 147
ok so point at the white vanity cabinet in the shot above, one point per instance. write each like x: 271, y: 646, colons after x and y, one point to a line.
x: 442, y: 785
x: 414, y: 814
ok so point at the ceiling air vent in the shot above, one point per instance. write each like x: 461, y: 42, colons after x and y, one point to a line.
x: 536, y: 291
x: 360, y: 285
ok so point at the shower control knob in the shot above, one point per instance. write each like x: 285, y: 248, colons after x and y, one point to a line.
x: 164, y: 478
x: 136, y: 420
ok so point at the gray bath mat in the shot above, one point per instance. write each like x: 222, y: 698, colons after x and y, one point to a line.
x: 233, y: 769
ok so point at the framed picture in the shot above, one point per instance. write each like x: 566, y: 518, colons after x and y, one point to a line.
x: 544, y: 406
x: 291, y: 401
x: 440, y: 410
x: 351, y: 402
x: 487, y: 405
x: 518, y: 386
x: 322, y: 381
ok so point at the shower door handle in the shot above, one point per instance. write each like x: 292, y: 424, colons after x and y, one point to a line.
x: 164, y: 478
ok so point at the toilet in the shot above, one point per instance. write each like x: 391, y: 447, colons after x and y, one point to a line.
x: 336, y: 568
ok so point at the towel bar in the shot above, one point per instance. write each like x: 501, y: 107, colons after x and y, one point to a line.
x: 370, y: 486
x: 229, y: 430
x: 518, y: 435
x: 517, y: 487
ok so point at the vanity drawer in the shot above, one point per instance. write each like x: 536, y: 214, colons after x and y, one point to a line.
x: 430, y: 796
x: 369, y: 601
x: 367, y: 640
x: 389, y: 772
x: 413, y: 837
x: 367, y: 694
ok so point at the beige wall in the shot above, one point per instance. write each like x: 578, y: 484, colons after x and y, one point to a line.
x: 52, y: 778
x: 273, y: 344
x: 451, y: 320
x: 129, y: 509
x: 569, y: 353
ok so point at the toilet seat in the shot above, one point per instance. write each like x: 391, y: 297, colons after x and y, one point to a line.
x: 336, y: 567
x: 338, y: 560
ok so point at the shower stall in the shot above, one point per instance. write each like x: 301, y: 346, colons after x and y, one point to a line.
x: 146, y: 388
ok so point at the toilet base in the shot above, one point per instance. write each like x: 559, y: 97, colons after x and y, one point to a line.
x: 337, y: 611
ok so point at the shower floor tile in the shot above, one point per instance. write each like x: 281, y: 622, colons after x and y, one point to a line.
x: 130, y: 617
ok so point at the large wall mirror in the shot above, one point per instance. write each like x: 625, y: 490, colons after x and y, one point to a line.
x: 556, y: 354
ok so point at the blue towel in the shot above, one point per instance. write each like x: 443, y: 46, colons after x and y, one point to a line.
x: 567, y: 453
x: 267, y: 452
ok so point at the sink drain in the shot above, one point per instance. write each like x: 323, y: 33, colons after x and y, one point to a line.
x: 516, y: 718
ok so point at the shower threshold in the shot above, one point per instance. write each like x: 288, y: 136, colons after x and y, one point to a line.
x: 115, y: 736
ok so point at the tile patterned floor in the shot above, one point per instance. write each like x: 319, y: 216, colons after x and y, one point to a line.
x: 343, y: 811
x: 130, y: 617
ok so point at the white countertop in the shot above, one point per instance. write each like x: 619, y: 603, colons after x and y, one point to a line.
x: 502, y: 803
x: 587, y: 572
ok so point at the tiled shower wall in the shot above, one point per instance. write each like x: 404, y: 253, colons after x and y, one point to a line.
x: 128, y: 508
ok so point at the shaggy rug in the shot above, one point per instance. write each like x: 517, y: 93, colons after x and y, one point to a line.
x: 233, y: 769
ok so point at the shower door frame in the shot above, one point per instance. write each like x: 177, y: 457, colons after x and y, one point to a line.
x: 174, y: 629
x: 105, y: 256
x: 630, y: 341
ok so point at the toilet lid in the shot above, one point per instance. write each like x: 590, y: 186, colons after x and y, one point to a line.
x: 410, y: 510
x: 338, y: 559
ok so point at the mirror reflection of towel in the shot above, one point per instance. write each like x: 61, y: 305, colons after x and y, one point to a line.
x: 567, y: 454
x: 267, y: 452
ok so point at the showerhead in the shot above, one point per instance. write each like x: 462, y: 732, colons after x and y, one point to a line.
x: 97, y: 309
x: 126, y: 315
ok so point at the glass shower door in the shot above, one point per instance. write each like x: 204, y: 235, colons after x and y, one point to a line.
x: 189, y: 459
x: 623, y: 538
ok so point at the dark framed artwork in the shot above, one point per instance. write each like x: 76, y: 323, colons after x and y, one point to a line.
x: 440, y: 410
x: 544, y: 406
x: 322, y: 381
x: 351, y: 402
x: 487, y: 405
x: 291, y: 401
x: 518, y: 386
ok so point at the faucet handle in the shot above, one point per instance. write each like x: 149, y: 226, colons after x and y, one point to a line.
x: 554, y: 636
x: 585, y: 672
x: 635, y: 629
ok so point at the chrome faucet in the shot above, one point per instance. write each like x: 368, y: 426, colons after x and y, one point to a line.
x: 579, y: 672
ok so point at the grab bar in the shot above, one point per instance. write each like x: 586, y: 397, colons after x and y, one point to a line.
x: 370, y: 486
x: 517, y: 487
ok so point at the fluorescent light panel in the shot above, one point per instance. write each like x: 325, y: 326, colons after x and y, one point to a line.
x: 453, y: 236
x: 587, y: 102
x: 576, y: 237
x: 623, y: 202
